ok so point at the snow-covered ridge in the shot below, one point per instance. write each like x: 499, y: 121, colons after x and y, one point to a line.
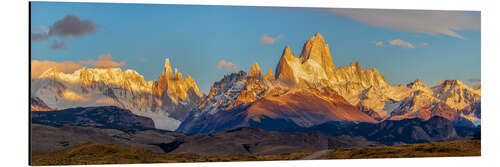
x: 167, y: 101
x: 365, y: 89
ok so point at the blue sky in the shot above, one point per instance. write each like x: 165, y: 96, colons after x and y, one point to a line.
x: 402, y: 45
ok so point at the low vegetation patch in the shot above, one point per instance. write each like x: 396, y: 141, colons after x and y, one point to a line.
x: 92, y: 153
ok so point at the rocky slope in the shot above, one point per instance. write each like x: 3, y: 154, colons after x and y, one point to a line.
x: 36, y: 104
x: 106, y: 117
x: 254, y: 141
x: 167, y: 101
x: 309, y: 90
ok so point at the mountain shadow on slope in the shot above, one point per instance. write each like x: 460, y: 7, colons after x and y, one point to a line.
x: 393, y: 132
x: 106, y: 116
x: 389, y: 132
x: 256, y: 141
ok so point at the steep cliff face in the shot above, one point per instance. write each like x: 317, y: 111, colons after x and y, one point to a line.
x: 36, y: 104
x: 239, y: 100
x: 315, y: 49
x: 309, y: 90
x: 456, y: 94
x: 174, y: 85
x: 315, y: 69
x: 269, y: 75
x: 285, y: 71
x: 167, y: 101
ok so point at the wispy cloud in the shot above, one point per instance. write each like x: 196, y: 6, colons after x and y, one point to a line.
x: 227, y: 65
x: 103, y: 61
x: 58, y: 45
x: 69, y: 26
x: 474, y: 79
x: 477, y: 86
x: 423, y: 44
x: 418, y: 21
x: 399, y: 42
x: 39, y: 36
x: 379, y: 43
x: 269, y: 40
x: 38, y: 67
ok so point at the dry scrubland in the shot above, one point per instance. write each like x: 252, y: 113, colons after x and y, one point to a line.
x: 92, y: 153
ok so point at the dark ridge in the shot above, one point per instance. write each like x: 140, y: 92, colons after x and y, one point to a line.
x: 99, y: 117
x: 169, y: 147
x: 268, y: 123
x: 388, y: 132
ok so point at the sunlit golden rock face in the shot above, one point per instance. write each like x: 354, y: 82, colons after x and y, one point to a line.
x: 307, y: 107
x: 456, y: 94
x: 316, y: 49
x: 269, y: 75
x: 284, y: 69
x: 315, y: 69
x: 309, y: 90
x: 167, y: 100
x: 255, y: 71
x: 174, y: 85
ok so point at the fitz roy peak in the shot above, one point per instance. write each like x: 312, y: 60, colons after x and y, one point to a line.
x: 304, y: 91
x: 309, y: 90
x: 167, y: 101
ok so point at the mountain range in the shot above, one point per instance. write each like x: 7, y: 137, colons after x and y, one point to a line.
x: 167, y: 100
x: 304, y: 92
x: 308, y: 90
x: 64, y: 129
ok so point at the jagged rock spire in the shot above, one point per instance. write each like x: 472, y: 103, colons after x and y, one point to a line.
x: 316, y: 49
x: 174, y: 84
x: 167, y: 70
x: 269, y: 74
x: 284, y: 69
x: 255, y: 71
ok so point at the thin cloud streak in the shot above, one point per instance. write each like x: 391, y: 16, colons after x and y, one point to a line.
x: 58, y: 45
x: 103, y: 61
x: 474, y: 79
x: 418, y: 21
x: 379, y: 43
x: 227, y: 65
x: 270, y: 40
x: 399, y: 42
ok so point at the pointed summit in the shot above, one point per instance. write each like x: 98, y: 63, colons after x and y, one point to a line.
x: 456, y: 94
x: 255, y: 71
x: 417, y: 85
x: 167, y: 70
x: 318, y: 37
x: 173, y: 84
x: 286, y: 65
x: 177, y: 75
x: 269, y: 75
x: 287, y: 53
x: 317, y: 50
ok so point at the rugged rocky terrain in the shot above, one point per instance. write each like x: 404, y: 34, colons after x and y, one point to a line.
x: 308, y: 105
x: 106, y: 117
x: 56, y: 130
x: 308, y: 90
x: 254, y: 141
x: 167, y: 101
